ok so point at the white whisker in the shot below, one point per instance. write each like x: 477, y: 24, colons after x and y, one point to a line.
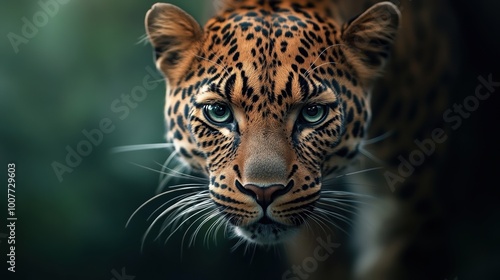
x: 359, y: 172
x: 132, y: 148
x: 143, y: 39
x: 310, y: 71
x: 328, y: 214
x: 319, y: 220
x: 206, y: 218
x: 369, y: 155
x: 377, y: 139
x: 333, y: 205
x: 332, y: 193
x: 210, y: 229
x: 181, y: 197
x: 320, y: 54
x: 336, y: 215
x: 147, y: 168
x: 167, y: 162
x: 198, y: 211
x: 355, y: 204
x: 180, y: 174
x: 238, y: 244
x: 210, y: 217
x: 153, y: 198
x: 183, y: 208
x: 174, y: 222
x: 181, y: 203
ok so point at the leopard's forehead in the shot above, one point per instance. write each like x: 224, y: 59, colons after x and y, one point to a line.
x: 270, y: 38
x: 270, y: 57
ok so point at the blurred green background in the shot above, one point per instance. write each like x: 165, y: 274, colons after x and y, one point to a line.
x: 65, y: 79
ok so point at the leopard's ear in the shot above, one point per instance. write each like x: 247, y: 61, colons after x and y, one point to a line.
x: 175, y: 36
x: 370, y: 37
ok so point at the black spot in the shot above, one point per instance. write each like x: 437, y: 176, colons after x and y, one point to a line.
x: 236, y: 56
x: 359, y: 108
x: 185, y: 153
x: 229, y: 87
x: 350, y: 116
x: 189, y: 76
x: 356, y: 129
x: 226, y: 28
x: 245, y: 25
x: 201, y: 72
x: 303, y: 52
x: 295, y: 167
x: 299, y: 59
x: 180, y: 122
x: 176, y: 107
x: 186, y: 111
x: 232, y: 50
x: 237, y: 170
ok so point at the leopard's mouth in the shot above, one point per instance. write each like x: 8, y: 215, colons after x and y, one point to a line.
x: 266, y: 232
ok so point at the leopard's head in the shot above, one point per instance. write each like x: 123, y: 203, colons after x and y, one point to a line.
x: 267, y: 101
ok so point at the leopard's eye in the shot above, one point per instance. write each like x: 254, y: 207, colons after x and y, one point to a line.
x: 313, y: 114
x: 218, y: 113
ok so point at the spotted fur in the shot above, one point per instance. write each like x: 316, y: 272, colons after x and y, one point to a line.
x: 268, y: 63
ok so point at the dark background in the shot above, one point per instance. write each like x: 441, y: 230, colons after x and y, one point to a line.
x: 65, y: 79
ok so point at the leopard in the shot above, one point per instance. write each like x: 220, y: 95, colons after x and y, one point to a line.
x: 272, y: 101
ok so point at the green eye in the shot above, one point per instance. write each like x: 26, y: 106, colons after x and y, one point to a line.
x: 314, y: 114
x: 218, y: 113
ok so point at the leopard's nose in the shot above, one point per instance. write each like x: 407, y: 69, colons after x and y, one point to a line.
x: 264, y: 195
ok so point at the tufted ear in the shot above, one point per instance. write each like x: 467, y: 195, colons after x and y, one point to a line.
x: 175, y: 35
x: 370, y: 37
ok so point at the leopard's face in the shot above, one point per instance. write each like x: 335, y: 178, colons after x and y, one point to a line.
x: 267, y: 102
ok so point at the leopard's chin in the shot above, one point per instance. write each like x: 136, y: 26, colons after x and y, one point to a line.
x: 266, y: 232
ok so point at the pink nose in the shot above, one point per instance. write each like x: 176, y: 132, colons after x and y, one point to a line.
x: 264, y: 195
